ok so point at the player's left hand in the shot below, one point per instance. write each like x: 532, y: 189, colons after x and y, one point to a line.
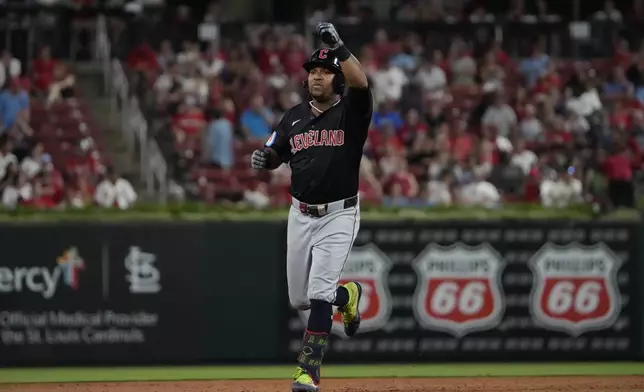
x: 329, y: 35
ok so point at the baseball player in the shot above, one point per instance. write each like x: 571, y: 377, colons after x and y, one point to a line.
x: 322, y: 141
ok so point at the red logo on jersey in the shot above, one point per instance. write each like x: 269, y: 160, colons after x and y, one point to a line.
x: 316, y: 138
x: 575, y: 288
x: 323, y: 53
x: 459, y: 288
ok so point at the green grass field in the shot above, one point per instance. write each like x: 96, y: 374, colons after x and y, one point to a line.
x: 61, y: 375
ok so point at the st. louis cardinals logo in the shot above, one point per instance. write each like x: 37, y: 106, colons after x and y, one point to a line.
x: 369, y: 266
x: 575, y: 287
x: 459, y: 288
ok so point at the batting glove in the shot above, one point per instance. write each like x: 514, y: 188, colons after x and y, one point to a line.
x: 329, y: 35
x: 259, y: 159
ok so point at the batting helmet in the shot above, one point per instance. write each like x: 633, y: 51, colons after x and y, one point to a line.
x: 325, y: 58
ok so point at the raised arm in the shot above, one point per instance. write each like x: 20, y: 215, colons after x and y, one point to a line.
x: 351, y: 68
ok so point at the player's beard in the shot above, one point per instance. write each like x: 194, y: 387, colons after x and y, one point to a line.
x: 326, y: 98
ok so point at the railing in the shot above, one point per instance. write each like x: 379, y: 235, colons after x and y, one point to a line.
x: 124, y: 108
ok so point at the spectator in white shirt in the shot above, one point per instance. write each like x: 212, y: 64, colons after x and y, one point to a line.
x: 195, y: 86
x: 33, y: 164
x: 10, y: 67
x: 500, y: 115
x: 480, y: 193
x: 389, y: 83
x: 115, y: 191
x: 19, y: 189
x: 258, y: 198
x: 433, y: 79
x: 523, y: 157
x: 440, y: 191
x: 8, y: 161
x: 561, y: 190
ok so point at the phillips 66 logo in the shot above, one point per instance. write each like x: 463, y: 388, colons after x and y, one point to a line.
x: 459, y: 288
x: 575, y: 288
x: 369, y: 266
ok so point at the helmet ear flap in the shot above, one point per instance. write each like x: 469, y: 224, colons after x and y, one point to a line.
x: 339, y: 84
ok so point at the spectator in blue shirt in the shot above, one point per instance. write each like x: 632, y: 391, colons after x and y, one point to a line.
x: 12, y: 101
x: 257, y: 120
x: 533, y: 67
x: 220, y: 141
x: 617, y: 84
x: 387, y: 114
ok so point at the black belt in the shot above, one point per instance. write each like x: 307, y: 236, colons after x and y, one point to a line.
x: 320, y: 210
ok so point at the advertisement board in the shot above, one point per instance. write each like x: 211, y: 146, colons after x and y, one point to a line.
x: 486, y: 291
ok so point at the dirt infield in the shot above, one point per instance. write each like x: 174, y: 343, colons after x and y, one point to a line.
x: 491, y: 384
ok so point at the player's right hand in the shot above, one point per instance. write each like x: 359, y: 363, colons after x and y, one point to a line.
x: 259, y: 159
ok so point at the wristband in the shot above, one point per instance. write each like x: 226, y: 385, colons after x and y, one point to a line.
x: 342, y: 53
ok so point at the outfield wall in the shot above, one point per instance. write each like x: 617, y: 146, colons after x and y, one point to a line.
x: 143, y: 293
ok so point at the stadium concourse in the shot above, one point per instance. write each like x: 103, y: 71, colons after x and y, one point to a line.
x: 468, y: 125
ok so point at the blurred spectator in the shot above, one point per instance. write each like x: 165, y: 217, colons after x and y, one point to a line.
x: 388, y: 83
x: 491, y: 71
x: 213, y: 62
x: 188, y: 125
x: 12, y: 101
x: 533, y: 67
x: 523, y: 157
x: 530, y: 128
x: 432, y: 78
x: 609, y: 12
x: 257, y: 120
x: 170, y: 82
x: 18, y: 191
x: 62, y: 87
x: 194, y: 86
x: 166, y: 55
x: 80, y: 192
x: 617, y: 169
x: 115, y: 191
x: 479, y: 193
x: 561, y: 190
x: 462, y: 66
x: 220, y: 141
x: 257, y: 198
x: 440, y: 190
x: 10, y: 68
x: 500, y: 116
x: 48, y: 188
x: 8, y: 161
x: 387, y: 114
x: 143, y: 58
x: 507, y: 176
x: 43, y: 69
x: 32, y: 165
x: 616, y: 85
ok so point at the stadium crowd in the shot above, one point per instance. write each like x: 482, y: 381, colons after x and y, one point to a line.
x: 50, y: 156
x: 468, y: 125
x: 465, y: 123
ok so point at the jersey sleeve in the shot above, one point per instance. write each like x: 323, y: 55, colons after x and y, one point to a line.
x: 278, y: 141
x: 360, y: 102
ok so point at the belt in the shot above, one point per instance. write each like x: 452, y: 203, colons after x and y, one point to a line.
x: 320, y: 210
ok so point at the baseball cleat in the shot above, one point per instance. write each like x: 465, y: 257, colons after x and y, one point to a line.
x: 303, y: 382
x: 351, y: 312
